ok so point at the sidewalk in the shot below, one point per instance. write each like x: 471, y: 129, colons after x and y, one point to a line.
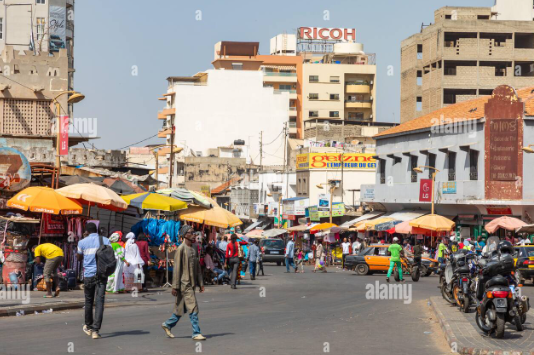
x: 465, y: 337
x: 73, y: 300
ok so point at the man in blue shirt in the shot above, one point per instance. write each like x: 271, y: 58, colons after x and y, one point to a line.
x: 290, y: 251
x: 94, y: 286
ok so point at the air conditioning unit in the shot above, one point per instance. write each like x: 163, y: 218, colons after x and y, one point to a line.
x: 371, y: 83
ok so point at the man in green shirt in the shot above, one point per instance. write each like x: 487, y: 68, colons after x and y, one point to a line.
x: 395, y: 251
x: 442, y: 249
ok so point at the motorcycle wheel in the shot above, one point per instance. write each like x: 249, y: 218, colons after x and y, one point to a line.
x: 499, y: 329
x: 465, y: 304
x: 445, y: 294
x: 396, y: 275
x: 523, y: 318
x: 416, y: 274
x: 481, y: 324
x: 456, y: 295
x: 517, y: 322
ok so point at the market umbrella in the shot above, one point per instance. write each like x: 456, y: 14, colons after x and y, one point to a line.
x: 322, y: 226
x: 44, y: 200
x: 433, y: 222
x: 75, y: 179
x: 302, y: 227
x: 94, y: 195
x: 216, y: 216
x: 186, y: 196
x: 508, y: 223
x: 122, y: 186
x: 384, y: 226
x: 271, y: 233
x: 154, y: 201
x: 256, y: 233
x: 406, y: 228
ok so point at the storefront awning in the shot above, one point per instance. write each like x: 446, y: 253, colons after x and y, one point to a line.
x: 252, y: 226
x: 366, y: 216
x: 407, y: 215
x: 302, y: 227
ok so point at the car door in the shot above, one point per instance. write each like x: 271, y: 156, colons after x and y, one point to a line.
x: 382, y: 259
x: 370, y: 257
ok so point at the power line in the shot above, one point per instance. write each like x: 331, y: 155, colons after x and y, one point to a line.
x: 139, y: 141
x: 275, y: 138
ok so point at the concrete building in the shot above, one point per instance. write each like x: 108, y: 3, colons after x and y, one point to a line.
x: 284, y: 44
x: 281, y: 72
x: 465, y: 54
x: 217, y: 106
x: 476, y: 146
x: 339, y: 95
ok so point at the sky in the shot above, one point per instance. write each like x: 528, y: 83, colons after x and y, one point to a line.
x: 125, y: 50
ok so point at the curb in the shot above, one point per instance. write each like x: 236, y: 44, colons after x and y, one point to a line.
x: 12, y: 311
x: 452, y: 340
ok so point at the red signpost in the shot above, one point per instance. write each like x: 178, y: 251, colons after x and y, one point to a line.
x: 64, y: 135
x: 425, y: 190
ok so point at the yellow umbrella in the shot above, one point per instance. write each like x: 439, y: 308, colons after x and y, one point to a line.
x: 93, y: 194
x: 216, y: 216
x: 370, y: 224
x: 323, y: 226
x: 433, y: 222
x: 154, y: 201
x: 44, y: 200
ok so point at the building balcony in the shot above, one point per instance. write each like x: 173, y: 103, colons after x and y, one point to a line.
x: 168, y: 111
x: 272, y: 77
x: 293, y: 112
x: 358, y: 104
x: 164, y: 132
x: 358, y: 89
x: 292, y: 93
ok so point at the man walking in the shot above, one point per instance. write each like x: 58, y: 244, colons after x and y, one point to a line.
x: 253, y: 258
x: 54, y: 257
x: 290, y: 251
x: 395, y: 250
x: 418, y: 252
x: 185, y: 278
x: 346, y: 251
x: 94, y: 284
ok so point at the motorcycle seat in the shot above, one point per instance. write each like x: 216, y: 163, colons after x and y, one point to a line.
x: 462, y: 270
x: 497, y: 281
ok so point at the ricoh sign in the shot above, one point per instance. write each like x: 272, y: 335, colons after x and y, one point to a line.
x: 327, y: 34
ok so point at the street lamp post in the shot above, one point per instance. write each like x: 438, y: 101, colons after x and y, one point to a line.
x: 74, y: 98
x: 419, y: 170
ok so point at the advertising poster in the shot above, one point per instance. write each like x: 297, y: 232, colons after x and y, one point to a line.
x: 58, y: 28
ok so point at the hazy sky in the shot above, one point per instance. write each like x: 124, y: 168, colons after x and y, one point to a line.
x: 164, y: 38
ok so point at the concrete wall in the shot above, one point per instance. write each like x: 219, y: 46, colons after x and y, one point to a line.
x: 211, y: 171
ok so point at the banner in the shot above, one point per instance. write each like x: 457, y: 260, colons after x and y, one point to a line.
x: 425, y: 190
x: 64, y: 135
x: 58, y: 28
x: 351, y: 161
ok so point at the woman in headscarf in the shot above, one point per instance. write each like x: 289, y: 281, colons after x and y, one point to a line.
x: 133, y: 258
x: 115, y: 281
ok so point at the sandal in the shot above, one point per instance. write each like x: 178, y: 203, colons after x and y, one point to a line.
x: 47, y: 296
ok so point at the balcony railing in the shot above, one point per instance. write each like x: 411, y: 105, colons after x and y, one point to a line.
x: 359, y: 82
x: 279, y: 91
x: 452, y: 176
x: 278, y: 74
x: 473, y: 175
x: 292, y: 124
x: 414, y: 177
x: 358, y: 101
x: 292, y: 109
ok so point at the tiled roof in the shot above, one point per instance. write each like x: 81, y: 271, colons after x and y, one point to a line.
x: 219, y: 189
x: 463, y: 111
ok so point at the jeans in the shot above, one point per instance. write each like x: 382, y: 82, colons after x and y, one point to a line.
x: 234, y: 265
x: 343, y: 260
x: 399, y: 267
x: 220, y: 273
x: 94, y: 290
x: 290, y: 262
x: 145, y: 271
x: 173, y: 320
x: 252, y: 265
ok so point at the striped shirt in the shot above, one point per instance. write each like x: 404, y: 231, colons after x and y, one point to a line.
x: 88, y: 247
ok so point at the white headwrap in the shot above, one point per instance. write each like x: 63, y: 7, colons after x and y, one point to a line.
x: 131, y: 254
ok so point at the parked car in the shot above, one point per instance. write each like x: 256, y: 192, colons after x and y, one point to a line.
x: 524, y: 262
x: 274, y: 250
x: 375, y: 258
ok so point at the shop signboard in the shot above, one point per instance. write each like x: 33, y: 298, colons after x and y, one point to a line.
x: 58, y: 28
x: 15, y: 170
x: 327, y: 34
x: 64, y: 135
x: 296, y: 207
x: 332, y: 161
x: 449, y: 187
x: 324, y: 202
x: 425, y: 190
x: 499, y: 210
x: 206, y: 190
x: 504, y: 150
x: 315, y: 213
x: 369, y: 193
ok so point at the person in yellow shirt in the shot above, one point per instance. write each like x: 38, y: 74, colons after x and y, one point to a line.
x: 54, y: 257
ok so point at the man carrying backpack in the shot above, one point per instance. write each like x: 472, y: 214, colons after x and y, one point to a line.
x: 95, y: 276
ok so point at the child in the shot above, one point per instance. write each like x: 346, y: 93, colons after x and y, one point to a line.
x: 300, y: 260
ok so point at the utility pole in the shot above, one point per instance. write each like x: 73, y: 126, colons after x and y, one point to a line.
x: 286, y: 159
x: 261, y: 150
x: 342, y: 167
x: 171, y: 169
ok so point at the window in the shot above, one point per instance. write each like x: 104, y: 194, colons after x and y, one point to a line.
x: 41, y: 2
x: 334, y: 96
x: 419, y: 103
x: 334, y: 79
x: 313, y: 114
x: 419, y: 78
x: 1, y: 28
x: 314, y: 78
x: 452, y: 166
x: 413, y: 165
x: 334, y: 114
x: 283, y: 87
x: 356, y: 116
x: 432, y: 163
x: 237, y: 66
x: 419, y: 51
x: 382, y: 167
x: 40, y: 27
x: 314, y: 97
x: 473, y: 165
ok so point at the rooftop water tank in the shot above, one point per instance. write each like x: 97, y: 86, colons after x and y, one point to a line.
x: 348, y: 48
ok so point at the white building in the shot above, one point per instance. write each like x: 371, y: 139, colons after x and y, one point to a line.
x: 284, y: 44
x: 217, y: 106
x: 513, y: 10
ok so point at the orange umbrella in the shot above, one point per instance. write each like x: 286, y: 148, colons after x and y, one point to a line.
x: 44, y: 200
x: 93, y: 194
x: 508, y: 223
x: 322, y: 226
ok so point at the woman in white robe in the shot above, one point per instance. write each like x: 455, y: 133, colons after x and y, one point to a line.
x: 133, y: 258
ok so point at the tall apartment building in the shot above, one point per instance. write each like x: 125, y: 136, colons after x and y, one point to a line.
x: 466, y: 53
x: 339, y: 91
x: 281, y: 72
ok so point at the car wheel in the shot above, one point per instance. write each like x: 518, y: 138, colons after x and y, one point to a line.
x: 362, y: 269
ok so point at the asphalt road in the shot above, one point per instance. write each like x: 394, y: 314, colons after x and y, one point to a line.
x: 276, y: 314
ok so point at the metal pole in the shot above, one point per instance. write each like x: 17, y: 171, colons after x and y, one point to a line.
x: 58, y: 132
x: 157, y: 169
x: 433, y: 180
x: 331, y: 198
x: 171, y: 170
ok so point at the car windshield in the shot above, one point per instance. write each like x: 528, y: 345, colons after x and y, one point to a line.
x: 529, y: 252
x: 273, y: 244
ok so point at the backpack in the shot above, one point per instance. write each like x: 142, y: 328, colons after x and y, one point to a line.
x: 105, y: 260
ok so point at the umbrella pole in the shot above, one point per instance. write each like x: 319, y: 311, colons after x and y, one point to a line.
x: 167, y: 284
x: 41, y: 227
x: 89, y: 210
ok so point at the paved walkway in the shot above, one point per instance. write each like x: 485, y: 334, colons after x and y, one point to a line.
x: 465, y: 337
